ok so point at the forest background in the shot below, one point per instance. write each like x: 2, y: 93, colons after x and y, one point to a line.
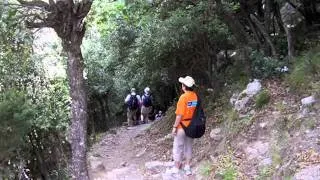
x: 138, y: 43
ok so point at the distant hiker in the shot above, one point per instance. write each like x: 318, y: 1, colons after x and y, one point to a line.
x: 182, y: 144
x: 146, y: 105
x: 159, y: 115
x: 133, y: 102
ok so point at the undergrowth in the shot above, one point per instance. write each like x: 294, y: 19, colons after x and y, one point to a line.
x: 262, y: 99
x: 227, y: 168
x: 306, y: 72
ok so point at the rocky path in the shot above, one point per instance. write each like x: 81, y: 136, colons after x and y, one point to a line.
x: 121, y: 155
x: 114, y: 158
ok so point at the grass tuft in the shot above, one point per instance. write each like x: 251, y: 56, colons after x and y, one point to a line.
x: 262, y: 99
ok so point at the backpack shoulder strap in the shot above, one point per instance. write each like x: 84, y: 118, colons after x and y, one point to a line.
x: 199, y: 102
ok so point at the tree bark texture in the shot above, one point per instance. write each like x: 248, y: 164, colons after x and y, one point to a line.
x: 267, y: 21
x: 79, y: 113
x: 267, y: 15
x: 290, y: 42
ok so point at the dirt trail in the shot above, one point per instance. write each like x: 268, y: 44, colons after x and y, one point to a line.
x: 115, y: 157
x: 125, y: 154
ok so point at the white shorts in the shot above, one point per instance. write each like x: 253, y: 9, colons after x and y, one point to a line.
x: 182, y: 146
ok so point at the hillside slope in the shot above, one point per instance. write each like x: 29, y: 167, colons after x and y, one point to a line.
x: 271, y: 137
x: 279, y: 140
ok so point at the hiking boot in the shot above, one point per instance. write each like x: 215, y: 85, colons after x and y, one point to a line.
x: 187, y: 170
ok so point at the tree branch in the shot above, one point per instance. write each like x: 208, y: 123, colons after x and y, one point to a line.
x: 264, y: 33
x: 31, y: 24
x: 35, y: 3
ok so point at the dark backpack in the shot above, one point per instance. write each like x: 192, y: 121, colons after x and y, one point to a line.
x: 146, y: 101
x: 133, y: 103
x: 197, y: 126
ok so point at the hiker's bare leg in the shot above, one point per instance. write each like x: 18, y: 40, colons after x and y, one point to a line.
x: 146, y: 118
x: 148, y: 111
x: 129, y: 116
x: 188, y: 149
x: 178, y: 147
x: 134, y: 117
x: 177, y: 164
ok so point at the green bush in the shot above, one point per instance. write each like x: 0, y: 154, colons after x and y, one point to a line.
x: 227, y: 168
x: 306, y: 70
x: 16, y: 113
x: 230, y: 174
x: 206, y: 169
x: 262, y: 99
x: 264, y: 67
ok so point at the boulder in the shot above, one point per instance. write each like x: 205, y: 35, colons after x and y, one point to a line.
x: 215, y: 134
x: 96, y: 164
x: 242, y: 100
x: 308, y: 101
x: 266, y: 162
x: 141, y: 152
x: 234, y: 98
x: 290, y: 16
x: 253, y: 88
x: 309, y: 173
x: 153, y: 164
x: 241, y: 103
x: 257, y: 150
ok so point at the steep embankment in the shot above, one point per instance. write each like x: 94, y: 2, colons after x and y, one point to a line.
x: 271, y: 135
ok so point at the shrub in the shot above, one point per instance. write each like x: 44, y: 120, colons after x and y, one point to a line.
x: 227, y: 168
x: 306, y: 69
x: 206, y: 169
x: 16, y: 113
x: 264, y: 67
x: 262, y: 99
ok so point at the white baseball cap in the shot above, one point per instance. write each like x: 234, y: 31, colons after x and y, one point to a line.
x: 147, y: 90
x: 188, y: 81
x: 133, y: 91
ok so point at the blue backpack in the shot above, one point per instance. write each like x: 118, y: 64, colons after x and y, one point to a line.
x: 133, y: 103
x: 146, y: 100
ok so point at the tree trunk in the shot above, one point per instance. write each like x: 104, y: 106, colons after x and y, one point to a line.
x: 265, y: 34
x: 36, y: 146
x: 233, y: 23
x: 267, y: 15
x: 278, y: 17
x: 290, y: 41
x: 78, y: 109
x: 267, y: 21
x: 255, y: 33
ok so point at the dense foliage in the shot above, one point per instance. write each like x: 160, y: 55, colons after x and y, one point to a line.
x: 137, y: 44
x: 34, y: 109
